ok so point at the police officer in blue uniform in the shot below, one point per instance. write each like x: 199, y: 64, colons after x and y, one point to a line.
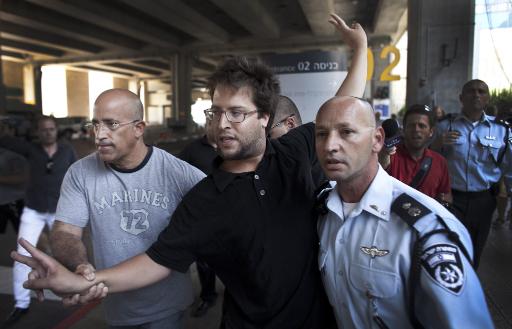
x: 478, y: 150
x: 384, y: 246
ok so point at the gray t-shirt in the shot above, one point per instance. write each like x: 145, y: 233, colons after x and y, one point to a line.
x: 127, y: 211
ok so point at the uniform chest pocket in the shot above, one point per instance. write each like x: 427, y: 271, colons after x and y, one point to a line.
x: 379, y: 283
x: 489, y: 149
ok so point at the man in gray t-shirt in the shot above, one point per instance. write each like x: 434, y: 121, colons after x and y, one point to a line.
x: 127, y: 192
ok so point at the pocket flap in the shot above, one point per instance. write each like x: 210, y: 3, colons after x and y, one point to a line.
x: 381, y: 284
x: 492, y: 143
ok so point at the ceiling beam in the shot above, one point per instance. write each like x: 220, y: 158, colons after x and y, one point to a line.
x: 35, y: 16
x: 58, y: 41
x: 182, y: 17
x: 133, y: 68
x: 13, y: 56
x: 245, y: 12
x: 31, y: 48
x: 101, y: 15
x: 108, y: 57
x: 291, y: 44
x: 316, y: 13
x: 94, y: 67
x: 153, y: 63
x: 387, y: 17
x: 202, y: 65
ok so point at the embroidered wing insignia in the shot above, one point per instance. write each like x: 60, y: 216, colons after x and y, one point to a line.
x: 374, y: 251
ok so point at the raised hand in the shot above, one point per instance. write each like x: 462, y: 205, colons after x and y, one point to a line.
x: 353, y: 36
x: 47, y: 273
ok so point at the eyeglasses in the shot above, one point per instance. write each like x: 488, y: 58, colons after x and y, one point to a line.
x: 232, y: 116
x: 110, y: 124
x: 281, y: 122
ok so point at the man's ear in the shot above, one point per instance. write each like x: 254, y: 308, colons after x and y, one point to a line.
x: 139, y: 128
x: 378, y: 139
x: 291, y: 123
x: 264, y: 119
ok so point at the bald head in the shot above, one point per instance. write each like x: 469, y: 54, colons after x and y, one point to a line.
x: 286, y: 107
x: 122, y: 99
x: 348, y: 142
x: 359, y: 108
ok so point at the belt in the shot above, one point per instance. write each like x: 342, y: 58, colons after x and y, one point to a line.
x: 471, y: 193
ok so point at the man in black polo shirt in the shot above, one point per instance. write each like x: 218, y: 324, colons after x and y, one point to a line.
x: 252, y: 220
x: 201, y: 154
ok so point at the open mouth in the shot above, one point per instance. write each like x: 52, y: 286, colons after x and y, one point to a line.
x: 226, y: 140
x: 333, y: 164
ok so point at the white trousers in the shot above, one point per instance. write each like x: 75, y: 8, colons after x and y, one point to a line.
x: 31, y: 225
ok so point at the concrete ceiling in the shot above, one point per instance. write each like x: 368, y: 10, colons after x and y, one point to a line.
x: 137, y: 38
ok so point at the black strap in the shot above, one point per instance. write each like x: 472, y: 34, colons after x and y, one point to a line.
x: 414, y: 279
x: 506, y: 140
x: 321, y: 194
x: 426, y: 163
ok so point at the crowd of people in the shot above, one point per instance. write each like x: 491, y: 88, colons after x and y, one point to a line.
x: 307, y: 225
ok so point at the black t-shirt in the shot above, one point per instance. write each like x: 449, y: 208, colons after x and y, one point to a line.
x: 200, y: 154
x: 257, y: 231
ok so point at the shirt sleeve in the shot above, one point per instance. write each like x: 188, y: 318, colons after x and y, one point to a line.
x: 176, y: 246
x: 301, y: 141
x: 506, y: 164
x: 449, y: 293
x: 72, y: 207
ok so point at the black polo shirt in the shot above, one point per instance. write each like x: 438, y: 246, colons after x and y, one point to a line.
x: 257, y: 231
x: 46, y: 174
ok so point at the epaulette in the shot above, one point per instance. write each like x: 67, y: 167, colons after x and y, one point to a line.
x: 321, y: 194
x: 409, y: 209
x: 503, y: 123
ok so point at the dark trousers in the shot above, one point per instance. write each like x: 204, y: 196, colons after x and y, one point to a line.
x: 207, y: 280
x: 476, y: 210
x: 10, y: 212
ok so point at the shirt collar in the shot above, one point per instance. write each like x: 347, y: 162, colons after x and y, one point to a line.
x: 403, y: 150
x: 483, y: 119
x: 376, y: 200
x: 223, y: 178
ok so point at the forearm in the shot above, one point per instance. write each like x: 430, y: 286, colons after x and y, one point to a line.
x: 355, y: 82
x: 68, y: 249
x: 134, y: 273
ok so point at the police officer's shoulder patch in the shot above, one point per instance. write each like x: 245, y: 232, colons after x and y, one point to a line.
x: 443, y: 263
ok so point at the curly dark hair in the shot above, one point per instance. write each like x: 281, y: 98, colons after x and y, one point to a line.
x: 239, y: 71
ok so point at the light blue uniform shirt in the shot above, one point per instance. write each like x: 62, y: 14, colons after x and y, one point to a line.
x: 472, y: 160
x: 360, y: 286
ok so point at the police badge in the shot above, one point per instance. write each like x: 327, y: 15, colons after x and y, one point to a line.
x: 443, y: 263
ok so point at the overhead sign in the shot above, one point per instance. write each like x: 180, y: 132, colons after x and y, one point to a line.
x: 309, y: 78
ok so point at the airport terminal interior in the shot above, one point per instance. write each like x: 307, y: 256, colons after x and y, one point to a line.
x: 57, y: 56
